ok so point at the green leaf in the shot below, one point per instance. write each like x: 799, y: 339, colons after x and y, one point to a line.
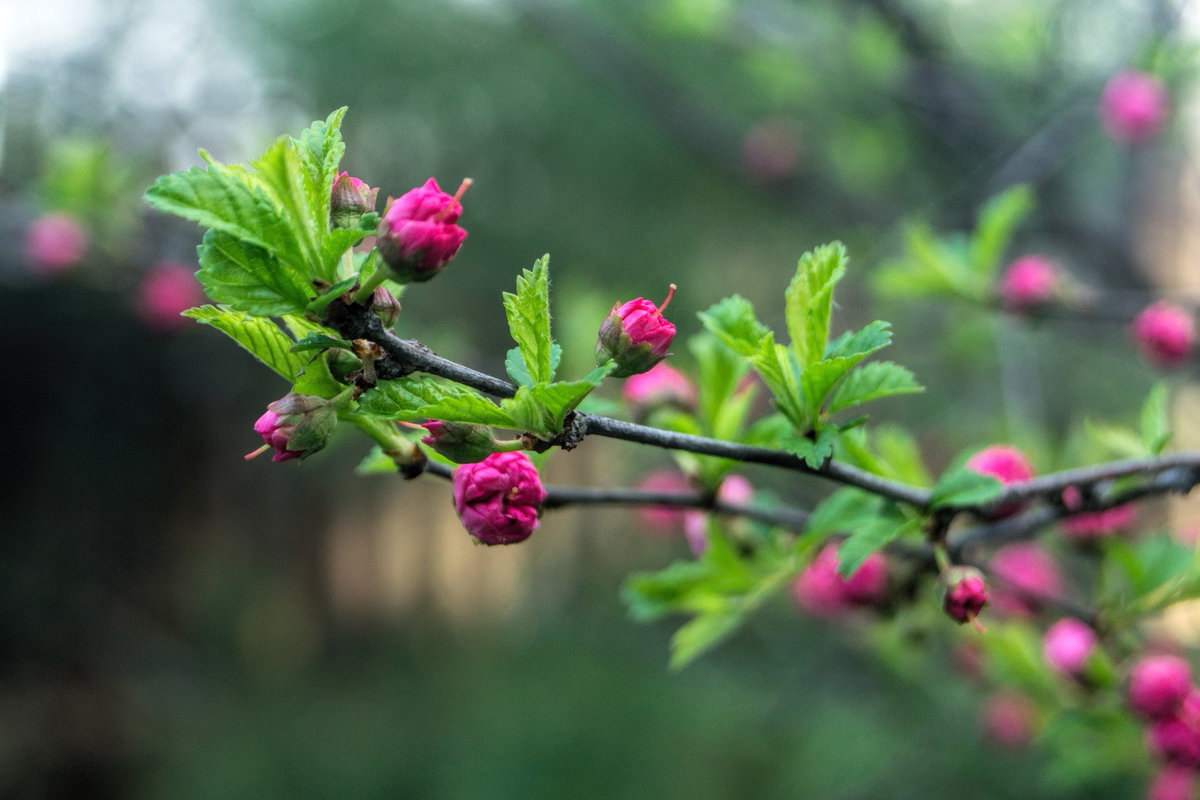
x: 777, y: 367
x: 814, y: 451
x: 964, y: 487
x: 514, y: 364
x: 320, y: 149
x: 721, y: 371
x: 1155, y: 420
x: 280, y: 170
x: 734, y: 323
x: 319, y: 341
x: 528, y: 313
x: 998, y: 218
x: 871, y: 382
x: 871, y: 339
x: 844, y: 510
x: 376, y: 462
x: 542, y: 409
x: 867, y: 538
x: 261, y: 337
x: 425, y: 397
x: 248, y: 278
x: 319, y: 305
x: 1120, y: 441
x: 809, y: 300
x: 818, y: 380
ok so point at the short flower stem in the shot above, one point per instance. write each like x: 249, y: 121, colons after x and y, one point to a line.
x: 367, y: 290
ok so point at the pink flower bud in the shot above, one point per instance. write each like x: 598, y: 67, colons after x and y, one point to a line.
x: 1176, y: 739
x: 965, y: 593
x: 821, y: 591
x: 635, y: 336
x: 1158, y: 685
x: 498, y: 499
x: 1133, y: 106
x: 1028, y: 283
x: 350, y: 199
x: 417, y: 235
x: 661, y: 385
x: 1164, y: 334
x: 1094, y: 524
x: 1008, y: 719
x: 461, y: 442
x: 55, y: 243
x: 168, y: 289
x: 296, y: 425
x: 1172, y: 783
x: 1005, y: 463
x: 1025, y: 574
x: 1067, y: 646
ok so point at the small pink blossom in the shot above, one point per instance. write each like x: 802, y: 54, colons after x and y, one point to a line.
x: 965, y: 595
x: 1164, y: 334
x: 168, y: 289
x: 734, y: 490
x: 499, y: 498
x: 664, y: 520
x: 1095, y: 524
x: 1006, y: 464
x: 1133, y: 106
x: 1025, y: 573
x: 1067, y: 646
x: 821, y: 591
x: 1028, y: 283
x: 1158, y: 685
x: 1176, y: 738
x: 1008, y: 718
x: 661, y: 385
x: 1172, y: 783
x: 418, y: 235
x: 55, y: 243
x: 635, y: 336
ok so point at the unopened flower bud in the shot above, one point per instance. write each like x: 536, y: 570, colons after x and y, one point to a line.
x: 386, y: 306
x: 1173, y: 782
x: 661, y: 385
x: 1067, y: 646
x: 55, y: 243
x: 1133, y: 106
x: 417, y: 235
x: 349, y: 200
x: 296, y: 425
x: 1028, y: 284
x: 1158, y: 685
x: 1027, y: 574
x: 498, y: 499
x: 1176, y: 739
x: 1006, y: 464
x: 965, y: 593
x: 167, y: 290
x: 635, y: 336
x: 461, y: 442
x: 1164, y: 334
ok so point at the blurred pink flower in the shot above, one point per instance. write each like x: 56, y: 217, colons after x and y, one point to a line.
x: 1133, y: 106
x: 167, y: 289
x: 55, y: 243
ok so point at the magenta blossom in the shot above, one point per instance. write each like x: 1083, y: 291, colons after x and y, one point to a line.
x: 661, y: 385
x: 55, y: 243
x: 1133, y: 106
x: 635, y: 336
x: 1158, y: 685
x: 418, y: 235
x: 168, y: 289
x: 734, y: 490
x: 821, y: 591
x: 1176, y: 738
x: 1006, y: 464
x: 499, y: 498
x: 1164, y: 334
x: 1028, y: 283
x: 1172, y: 783
x: 1068, y: 645
x: 1026, y: 574
x: 965, y: 595
x: 296, y: 425
x: 1094, y: 524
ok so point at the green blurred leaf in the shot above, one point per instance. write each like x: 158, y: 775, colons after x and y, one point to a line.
x: 528, y: 313
x: 814, y: 451
x: 425, y: 397
x: 871, y: 339
x: 964, y: 487
x: 734, y: 322
x: 998, y: 219
x: 376, y: 462
x: 870, y: 536
x: 1154, y: 422
x: 1121, y: 442
x: 872, y: 382
x: 721, y: 371
x: 249, y: 278
x: 844, y: 510
x: 778, y: 369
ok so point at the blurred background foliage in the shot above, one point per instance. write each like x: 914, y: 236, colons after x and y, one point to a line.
x: 176, y: 623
